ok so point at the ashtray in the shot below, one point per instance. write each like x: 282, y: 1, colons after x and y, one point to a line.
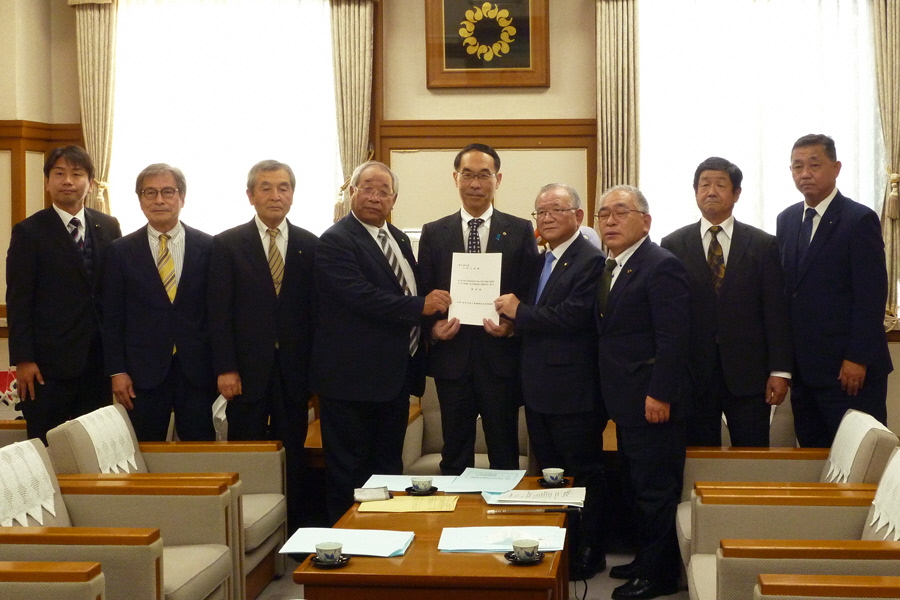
x: 544, y: 483
x: 342, y: 562
x: 513, y: 559
x: 414, y: 492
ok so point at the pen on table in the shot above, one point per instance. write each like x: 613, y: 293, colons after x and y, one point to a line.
x: 530, y: 511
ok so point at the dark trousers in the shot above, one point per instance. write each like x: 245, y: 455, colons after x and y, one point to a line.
x: 276, y: 416
x: 747, y: 416
x: 62, y: 399
x: 574, y: 442
x: 192, y: 405
x: 652, y: 459
x: 496, y: 399
x: 360, y: 439
x: 818, y: 410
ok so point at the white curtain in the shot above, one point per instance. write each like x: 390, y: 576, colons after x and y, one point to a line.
x: 743, y: 79
x: 213, y: 87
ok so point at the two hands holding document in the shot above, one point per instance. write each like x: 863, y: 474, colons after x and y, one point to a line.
x: 474, y: 290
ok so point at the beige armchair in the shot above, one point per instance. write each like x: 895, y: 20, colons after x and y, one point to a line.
x: 823, y: 587
x: 12, y: 431
x: 424, y: 440
x: 122, y: 527
x: 260, y: 509
x: 858, y: 455
x: 51, y: 581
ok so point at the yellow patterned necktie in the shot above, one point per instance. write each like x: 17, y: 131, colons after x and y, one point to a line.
x: 716, y: 259
x: 166, y: 266
x: 276, y: 262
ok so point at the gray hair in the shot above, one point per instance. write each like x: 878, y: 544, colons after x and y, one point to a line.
x: 639, y: 200
x: 267, y: 166
x: 161, y: 169
x: 568, y: 189
x: 357, y: 172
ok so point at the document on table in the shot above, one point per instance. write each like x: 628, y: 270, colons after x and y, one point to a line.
x: 363, y: 542
x: 405, y: 504
x: 485, y: 480
x: 499, y: 539
x: 561, y: 496
x: 399, y: 483
x: 474, y: 285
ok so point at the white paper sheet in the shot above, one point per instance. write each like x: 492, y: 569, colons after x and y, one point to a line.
x: 485, y: 480
x: 362, y: 542
x: 499, y: 539
x: 557, y: 497
x: 474, y: 285
x: 399, y: 483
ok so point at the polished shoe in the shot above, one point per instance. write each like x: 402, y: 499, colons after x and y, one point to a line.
x: 586, y: 564
x: 644, y: 589
x: 628, y: 571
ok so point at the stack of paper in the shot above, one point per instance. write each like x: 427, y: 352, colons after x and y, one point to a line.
x: 499, y: 539
x: 363, y: 542
x: 485, y: 480
x: 557, y: 497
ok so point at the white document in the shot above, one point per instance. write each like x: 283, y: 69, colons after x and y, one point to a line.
x: 474, y: 285
x: 485, y: 480
x: 499, y: 539
x: 562, y: 496
x: 399, y: 483
x: 362, y: 542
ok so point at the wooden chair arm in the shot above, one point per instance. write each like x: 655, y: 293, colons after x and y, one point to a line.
x: 261, y: 446
x: 758, y: 453
x: 169, y: 487
x: 48, y: 572
x: 227, y: 478
x: 786, y: 497
x: 787, y: 485
x: 841, y: 586
x: 811, y: 549
x: 13, y: 424
x: 80, y: 536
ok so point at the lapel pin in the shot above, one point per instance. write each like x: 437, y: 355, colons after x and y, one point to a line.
x: 565, y: 264
x: 629, y: 271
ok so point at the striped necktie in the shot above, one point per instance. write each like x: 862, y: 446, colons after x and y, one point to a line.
x: 276, y: 262
x: 166, y: 266
x: 75, y: 232
x: 398, y: 273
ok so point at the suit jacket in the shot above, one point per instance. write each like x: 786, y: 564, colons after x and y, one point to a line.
x: 644, y: 335
x: 747, y: 320
x: 361, y: 349
x: 53, y: 303
x: 559, y: 340
x: 509, y: 235
x: 838, y: 293
x: 247, y: 319
x: 141, y: 325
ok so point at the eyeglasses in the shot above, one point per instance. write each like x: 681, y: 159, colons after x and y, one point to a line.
x: 619, y: 213
x: 372, y: 192
x: 556, y: 212
x: 167, y: 192
x: 469, y: 176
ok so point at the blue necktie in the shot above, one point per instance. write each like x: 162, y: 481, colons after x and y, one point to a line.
x: 545, y: 274
x: 805, y: 234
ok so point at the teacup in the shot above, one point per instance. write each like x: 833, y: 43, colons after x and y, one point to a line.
x: 328, y: 552
x: 553, y: 476
x: 525, y: 550
x: 421, y: 484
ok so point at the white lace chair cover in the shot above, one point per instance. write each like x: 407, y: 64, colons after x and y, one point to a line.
x: 854, y: 427
x: 25, y: 486
x: 887, y: 501
x: 111, y: 439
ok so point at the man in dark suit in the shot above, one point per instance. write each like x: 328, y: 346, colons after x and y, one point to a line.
x: 476, y: 368
x: 53, y: 273
x: 261, y: 320
x: 836, y: 283
x: 560, y: 383
x: 643, y: 322
x: 368, y: 351
x: 155, y: 331
x: 740, y: 352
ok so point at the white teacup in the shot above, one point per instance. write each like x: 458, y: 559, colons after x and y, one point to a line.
x: 525, y: 550
x: 328, y: 552
x: 422, y: 484
x: 553, y: 476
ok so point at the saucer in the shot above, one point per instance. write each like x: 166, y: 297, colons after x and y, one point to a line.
x: 543, y: 483
x: 414, y: 492
x: 335, y: 565
x: 511, y: 557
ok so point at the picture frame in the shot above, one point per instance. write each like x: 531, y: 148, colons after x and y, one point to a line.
x: 506, y: 43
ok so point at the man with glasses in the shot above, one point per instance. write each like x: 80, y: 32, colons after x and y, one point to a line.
x: 262, y: 316
x: 476, y: 368
x: 369, y: 350
x: 643, y: 316
x: 53, y: 273
x: 740, y: 353
x: 155, y: 331
x: 560, y: 381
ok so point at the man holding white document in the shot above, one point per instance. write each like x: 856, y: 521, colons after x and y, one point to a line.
x: 473, y: 360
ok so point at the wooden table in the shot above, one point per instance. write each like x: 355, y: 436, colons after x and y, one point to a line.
x: 423, y: 571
